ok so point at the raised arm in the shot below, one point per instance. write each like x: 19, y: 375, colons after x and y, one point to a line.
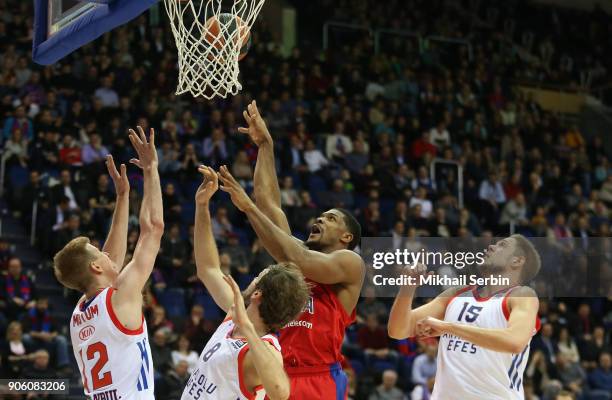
x: 402, y: 318
x: 523, y: 304
x: 127, y: 301
x: 205, y: 248
x: 116, y: 241
x: 265, y: 181
x: 338, y: 267
x: 262, y: 359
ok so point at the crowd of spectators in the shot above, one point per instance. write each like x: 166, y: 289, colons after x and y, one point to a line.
x: 352, y: 130
x: 527, y: 41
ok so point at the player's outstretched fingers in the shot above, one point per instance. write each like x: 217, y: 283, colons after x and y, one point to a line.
x: 152, y: 137
x: 112, y: 168
x: 142, y: 135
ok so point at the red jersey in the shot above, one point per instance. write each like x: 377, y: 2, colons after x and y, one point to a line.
x: 315, y: 338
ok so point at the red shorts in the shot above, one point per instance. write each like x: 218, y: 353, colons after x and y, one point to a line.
x: 318, y: 383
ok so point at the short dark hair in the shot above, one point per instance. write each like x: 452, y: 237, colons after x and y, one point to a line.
x: 284, y: 294
x: 533, y: 262
x: 353, y: 226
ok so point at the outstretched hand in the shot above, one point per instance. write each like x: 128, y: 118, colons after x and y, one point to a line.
x: 257, y: 129
x: 209, y: 185
x: 231, y: 186
x: 122, y: 184
x: 147, y: 154
x: 237, y: 310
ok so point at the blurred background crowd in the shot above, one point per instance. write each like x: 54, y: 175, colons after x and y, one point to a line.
x: 352, y: 130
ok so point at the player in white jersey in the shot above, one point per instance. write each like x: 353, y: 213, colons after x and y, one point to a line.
x: 242, y: 360
x: 108, y: 331
x: 484, y: 331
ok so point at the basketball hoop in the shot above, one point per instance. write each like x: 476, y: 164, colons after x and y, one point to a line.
x: 211, y: 39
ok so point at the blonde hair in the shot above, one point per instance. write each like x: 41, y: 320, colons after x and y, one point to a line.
x: 71, y: 264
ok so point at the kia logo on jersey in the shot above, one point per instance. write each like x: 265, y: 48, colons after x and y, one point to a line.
x: 86, y: 332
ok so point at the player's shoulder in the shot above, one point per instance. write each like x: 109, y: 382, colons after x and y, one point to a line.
x: 348, y: 256
x: 454, y: 291
x: 522, y: 291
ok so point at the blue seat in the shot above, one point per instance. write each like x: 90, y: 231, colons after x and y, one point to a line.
x: 18, y: 176
x: 173, y: 300
x: 358, y: 367
x: 211, y: 309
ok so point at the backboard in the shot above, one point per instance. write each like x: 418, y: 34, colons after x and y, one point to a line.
x: 62, y: 26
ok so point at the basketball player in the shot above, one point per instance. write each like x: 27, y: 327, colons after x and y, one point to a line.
x: 242, y: 359
x: 108, y: 331
x: 312, y: 343
x: 484, y: 331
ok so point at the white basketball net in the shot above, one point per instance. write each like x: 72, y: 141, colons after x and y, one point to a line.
x: 208, y: 49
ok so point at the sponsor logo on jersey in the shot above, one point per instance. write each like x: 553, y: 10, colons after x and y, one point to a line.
x: 90, y: 313
x: 86, y: 332
x: 238, y: 344
x: 309, y: 307
x: 299, y: 324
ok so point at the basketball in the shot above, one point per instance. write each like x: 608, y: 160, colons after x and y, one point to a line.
x: 222, y: 28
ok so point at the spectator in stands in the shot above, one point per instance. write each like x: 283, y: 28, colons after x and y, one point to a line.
x: 338, y: 145
x: 15, y: 353
x: 40, y: 368
x: 70, y: 230
x: 199, y: 327
x: 158, y: 321
x: 337, y: 197
x: 15, y: 151
x: 565, y: 395
x: 18, y: 292
x: 371, y: 306
x: 102, y: 204
x: 107, y: 95
x: 373, y: 339
x: 70, y: 154
x: 44, y: 153
x: 439, y: 136
x: 571, y: 375
x: 423, y: 392
x: 515, y: 211
x: 314, y: 158
x: 215, y: 149
x: 174, y: 382
x: 357, y: 159
x: 424, y: 365
x: 567, y: 346
x: 42, y: 333
x: 66, y: 188
x: 600, y: 379
x: 161, y: 354
x: 184, y: 353
x: 421, y: 199
x: 546, y: 344
x: 221, y: 225
x: 593, y: 346
x: 19, y: 121
x: 289, y: 196
x: 173, y: 256
x: 492, y: 196
x: 388, y: 389
x: 237, y: 253
x: 94, y: 151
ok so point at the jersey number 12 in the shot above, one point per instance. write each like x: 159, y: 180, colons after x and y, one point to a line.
x: 97, y: 380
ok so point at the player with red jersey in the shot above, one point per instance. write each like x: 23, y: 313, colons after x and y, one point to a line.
x: 311, y: 344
